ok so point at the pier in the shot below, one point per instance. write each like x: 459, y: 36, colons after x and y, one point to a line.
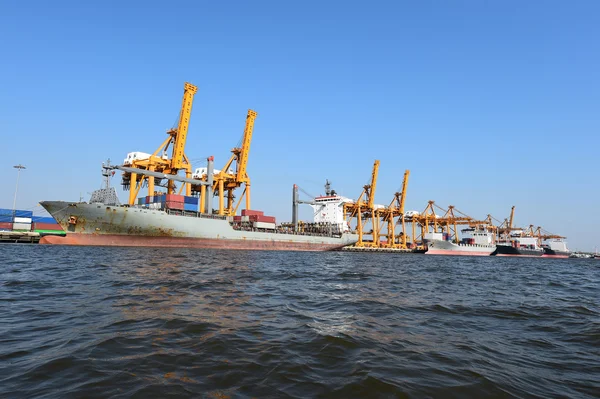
x: 26, y: 237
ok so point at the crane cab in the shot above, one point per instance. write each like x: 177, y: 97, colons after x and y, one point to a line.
x: 200, y: 172
x: 135, y: 156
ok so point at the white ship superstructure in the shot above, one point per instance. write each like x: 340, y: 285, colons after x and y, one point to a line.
x: 330, y: 209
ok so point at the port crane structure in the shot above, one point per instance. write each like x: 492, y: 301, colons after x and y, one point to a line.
x: 150, y: 169
x: 226, y: 180
x: 365, y: 209
x: 447, y: 222
x: 388, y: 216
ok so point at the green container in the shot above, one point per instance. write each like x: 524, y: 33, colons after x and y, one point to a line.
x: 58, y: 232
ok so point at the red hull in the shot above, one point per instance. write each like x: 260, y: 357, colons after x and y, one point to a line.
x: 180, y: 242
x: 462, y: 253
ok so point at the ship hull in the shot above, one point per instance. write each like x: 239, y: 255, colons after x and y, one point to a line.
x: 507, y: 250
x: 439, y: 247
x: 551, y: 253
x: 183, y: 242
x: 96, y: 224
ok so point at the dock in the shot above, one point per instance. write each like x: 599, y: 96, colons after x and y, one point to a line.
x: 25, y: 237
x: 373, y: 249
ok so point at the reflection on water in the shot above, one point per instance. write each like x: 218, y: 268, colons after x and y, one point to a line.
x: 122, y: 322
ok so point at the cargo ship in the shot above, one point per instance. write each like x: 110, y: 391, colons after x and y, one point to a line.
x: 515, y: 245
x: 475, y: 242
x: 555, y: 248
x: 157, y: 225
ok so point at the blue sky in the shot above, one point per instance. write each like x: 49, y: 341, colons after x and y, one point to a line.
x: 489, y: 104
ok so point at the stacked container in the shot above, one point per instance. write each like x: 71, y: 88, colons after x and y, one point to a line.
x: 174, y: 201
x: 190, y: 204
x: 6, y: 219
x: 258, y: 219
x: 257, y: 216
x: 46, y: 225
x: 17, y: 220
x: 169, y: 201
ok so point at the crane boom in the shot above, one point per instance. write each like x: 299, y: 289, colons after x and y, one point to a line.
x: 180, y: 134
x: 512, y: 215
x: 403, y: 194
x: 242, y: 162
x: 371, y: 199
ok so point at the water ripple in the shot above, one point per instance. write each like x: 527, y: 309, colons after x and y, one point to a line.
x: 124, y: 322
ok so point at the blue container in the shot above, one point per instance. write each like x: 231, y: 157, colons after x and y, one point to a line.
x: 6, y: 212
x: 43, y: 219
x: 190, y: 207
x: 6, y: 219
x: 190, y: 200
x: 23, y: 214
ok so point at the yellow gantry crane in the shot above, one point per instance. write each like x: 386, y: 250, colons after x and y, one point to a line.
x: 159, y: 160
x: 226, y: 180
x: 448, y: 222
x: 542, y: 234
x: 388, y: 215
x: 508, y: 225
x: 361, y: 208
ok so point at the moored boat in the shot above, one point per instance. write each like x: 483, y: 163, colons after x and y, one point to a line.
x: 519, y: 246
x: 106, y: 225
x: 556, y: 248
x: 475, y: 242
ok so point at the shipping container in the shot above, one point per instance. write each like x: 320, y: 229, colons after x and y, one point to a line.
x: 46, y: 226
x: 141, y: 201
x: 6, y: 219
x: 7, y: 212
x: 174, y: 205
x: 190, y: 207
x: 22, y: 220
x: 6, y: 226
x: 191, y: 200
x: 249, y: 212
x: 23, y: 214
x: 263, y: 225
x: 22, y: 226
x: 174, y: 198
x: 43, y: 219
x: 47, y: 232
x: 260, y: 218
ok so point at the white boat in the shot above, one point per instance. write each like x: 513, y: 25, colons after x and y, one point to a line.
x: 475, y: 242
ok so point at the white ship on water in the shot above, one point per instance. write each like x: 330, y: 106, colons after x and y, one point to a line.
x: 476, y: 241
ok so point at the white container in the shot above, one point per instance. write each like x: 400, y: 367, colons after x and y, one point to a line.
x: 434, y: 236
x: 245, y: 218
x: 264, y: 225
x: 22, y: 220
x: 22, y: 226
